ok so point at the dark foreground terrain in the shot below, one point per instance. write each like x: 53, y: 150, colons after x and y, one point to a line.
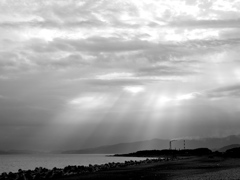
x: 192, y: 164
x: 193, y: 168
x: 181, y: 168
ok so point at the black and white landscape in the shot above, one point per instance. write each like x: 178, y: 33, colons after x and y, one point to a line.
x: 81, y: 74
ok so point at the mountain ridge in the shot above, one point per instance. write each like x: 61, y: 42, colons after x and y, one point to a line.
x: 231, y: 146
x: 211, y: 143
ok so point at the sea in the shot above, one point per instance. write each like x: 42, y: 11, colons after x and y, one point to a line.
x: 12, y: 163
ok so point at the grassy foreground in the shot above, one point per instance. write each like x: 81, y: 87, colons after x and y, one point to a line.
x: 193, y: 168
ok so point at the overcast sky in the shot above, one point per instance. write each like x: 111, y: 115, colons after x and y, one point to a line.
x: 76, y: 74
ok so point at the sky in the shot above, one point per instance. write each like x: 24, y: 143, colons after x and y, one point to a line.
x: 77, y: 74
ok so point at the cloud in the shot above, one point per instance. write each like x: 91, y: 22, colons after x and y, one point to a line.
x: 166, y: 70
x: 113, y: 76
x: 93, y: 44
x: 207, y: 24
x: 229, y: 92
x: 115, y: 43
x: 232, y: 91
x: 232, y: 34
x: 66, y: 60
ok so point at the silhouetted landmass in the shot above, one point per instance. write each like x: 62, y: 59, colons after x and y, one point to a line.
x: 18, y: 152
x: 234, y: 152
x: 230, y: 153
x: 167, y: 152
x: 225, y: 148
x: 211, y: 143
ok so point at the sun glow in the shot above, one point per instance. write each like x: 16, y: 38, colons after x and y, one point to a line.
x: 185, y: 97
x: 164, y: 99
x: 134, y: 89
x: 44, y: 34
x: 87, y: 102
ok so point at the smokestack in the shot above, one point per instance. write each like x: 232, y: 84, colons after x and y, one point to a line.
x: 170, y: 144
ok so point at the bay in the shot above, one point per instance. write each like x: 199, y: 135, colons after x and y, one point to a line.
x: 12, y: 163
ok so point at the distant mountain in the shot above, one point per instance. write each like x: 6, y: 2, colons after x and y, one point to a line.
x: 158, y: 144
x: 124, y: 147
x: 3, y: 152
x: 225, y: 148
x: 18, y: 152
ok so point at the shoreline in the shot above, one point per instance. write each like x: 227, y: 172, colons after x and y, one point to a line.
x: 185, y: 168
x: 70, y: 171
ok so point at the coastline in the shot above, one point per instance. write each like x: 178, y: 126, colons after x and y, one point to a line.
x: 71, y: 171
x: 181, y: 168
x: 12, y: 163
x: 194, y: 168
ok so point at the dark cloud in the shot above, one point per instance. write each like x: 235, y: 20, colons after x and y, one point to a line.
x: 51, y: 24
x: 164, y: 70
x: 232, y: 34
x: 101, y: 53
x: 98, y: 44
x: 232, y: 91
x: 149, y: 50
x: 93, y: 44
x: 205, y: 24
x: 70, y: 15
x: 115, y: 83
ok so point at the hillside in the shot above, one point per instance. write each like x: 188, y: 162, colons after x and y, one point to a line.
x: 158, y: 144
x: 124, y: 147
x: 225, y: 148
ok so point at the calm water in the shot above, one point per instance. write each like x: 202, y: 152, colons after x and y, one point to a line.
x: 14, y: 162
